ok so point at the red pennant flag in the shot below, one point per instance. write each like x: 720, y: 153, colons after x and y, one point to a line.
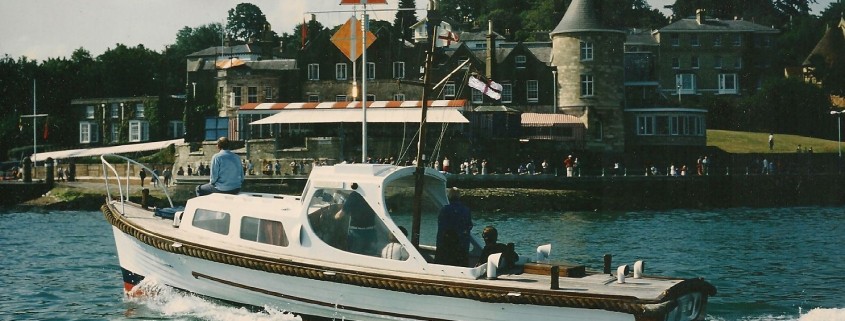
x: 304, y: 32
x: 46, y: 129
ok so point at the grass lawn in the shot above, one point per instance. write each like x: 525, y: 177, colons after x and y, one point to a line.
x: 749, y: 142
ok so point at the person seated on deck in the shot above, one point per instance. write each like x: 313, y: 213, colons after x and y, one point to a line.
x: 227, y: 176
x: 491, y: 236
x: 394, y: 250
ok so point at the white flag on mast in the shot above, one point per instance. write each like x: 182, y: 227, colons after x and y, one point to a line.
x: 490, y: 88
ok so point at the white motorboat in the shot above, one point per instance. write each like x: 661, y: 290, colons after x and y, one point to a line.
x: 291, y: 253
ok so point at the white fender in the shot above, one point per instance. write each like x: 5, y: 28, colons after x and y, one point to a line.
x: 543, y: 252
x: 493, y: 265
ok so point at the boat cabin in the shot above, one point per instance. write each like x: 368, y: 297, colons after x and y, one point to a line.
x: 347, y: 214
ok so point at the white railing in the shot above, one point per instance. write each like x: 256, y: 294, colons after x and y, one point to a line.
x: 109, y: 169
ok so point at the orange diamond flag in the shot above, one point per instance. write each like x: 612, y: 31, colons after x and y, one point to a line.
x: 349, y: 43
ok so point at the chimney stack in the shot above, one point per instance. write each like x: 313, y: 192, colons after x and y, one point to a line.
x: 699, y: 16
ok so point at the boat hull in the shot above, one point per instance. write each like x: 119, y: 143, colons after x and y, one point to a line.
x: 301, y: 295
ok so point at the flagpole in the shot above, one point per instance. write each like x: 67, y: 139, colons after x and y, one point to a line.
x: 364, y: 23
x: 34, y: 137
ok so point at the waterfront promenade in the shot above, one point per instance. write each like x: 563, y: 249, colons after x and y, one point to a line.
x: 498, y: 192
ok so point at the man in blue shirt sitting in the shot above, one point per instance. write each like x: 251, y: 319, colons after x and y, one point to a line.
x: 226, y: 172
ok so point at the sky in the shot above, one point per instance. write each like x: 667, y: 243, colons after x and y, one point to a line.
x: 42, y: 29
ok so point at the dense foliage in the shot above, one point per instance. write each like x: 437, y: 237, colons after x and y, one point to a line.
x: 138, y: 71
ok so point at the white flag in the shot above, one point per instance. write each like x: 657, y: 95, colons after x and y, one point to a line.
x: 445, y: 37
x: 490, y: 88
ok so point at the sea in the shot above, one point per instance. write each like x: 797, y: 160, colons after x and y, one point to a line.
x: 766, y: 263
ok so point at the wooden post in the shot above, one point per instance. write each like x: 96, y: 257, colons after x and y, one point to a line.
x: 145, y: 195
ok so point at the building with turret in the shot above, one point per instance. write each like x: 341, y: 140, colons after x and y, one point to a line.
x: 590, y: 74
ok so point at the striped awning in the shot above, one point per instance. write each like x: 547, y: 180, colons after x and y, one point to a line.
x: 544, y: 120
x: 355, y: 115
x: 349, y: 104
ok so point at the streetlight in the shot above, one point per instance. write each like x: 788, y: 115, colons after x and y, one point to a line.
x: 838, y: 127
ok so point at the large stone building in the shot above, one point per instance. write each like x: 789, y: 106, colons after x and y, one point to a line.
x: 122, y: 120
x: 701, y: 55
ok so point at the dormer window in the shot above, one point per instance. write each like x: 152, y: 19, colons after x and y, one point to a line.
x: 520, y: 60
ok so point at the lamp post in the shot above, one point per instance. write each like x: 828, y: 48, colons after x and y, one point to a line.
x: 838, y: 115
x: 554, y: 93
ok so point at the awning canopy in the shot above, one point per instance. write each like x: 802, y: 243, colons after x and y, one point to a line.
x: 493, y: 109
x: 374, y: 115
x: 257, y: 107
x: 439, y: 111
x: 547, y: 120
x: 122, y: 149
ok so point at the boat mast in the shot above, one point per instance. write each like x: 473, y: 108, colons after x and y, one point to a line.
x: 433, y: 22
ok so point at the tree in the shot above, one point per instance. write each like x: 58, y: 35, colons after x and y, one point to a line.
x: 246, y: 21
x: 461, y: 11
x: 405, y: 19
x: 833, y: 13
x: 789, y: 106
x: 130, y: 71
x: 190, y: 40
x: 543, y: 15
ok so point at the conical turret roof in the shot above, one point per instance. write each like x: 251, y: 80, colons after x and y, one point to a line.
x: 581, y: 17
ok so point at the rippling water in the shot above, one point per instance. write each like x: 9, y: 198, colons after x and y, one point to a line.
x: 767, y: 264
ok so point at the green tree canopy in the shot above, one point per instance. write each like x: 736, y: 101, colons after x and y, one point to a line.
x: 405, y: 19
x: 246, y: 21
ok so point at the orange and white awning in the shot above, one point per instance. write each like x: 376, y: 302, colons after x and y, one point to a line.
x: 439, y: 111
x: 351, y: 104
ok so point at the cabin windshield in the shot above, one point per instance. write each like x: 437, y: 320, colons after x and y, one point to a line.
x: 399, y: 199
x: 344, y: 220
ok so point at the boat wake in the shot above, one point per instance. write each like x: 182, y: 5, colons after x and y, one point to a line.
x: 817, y: 314
x: 165, y: 303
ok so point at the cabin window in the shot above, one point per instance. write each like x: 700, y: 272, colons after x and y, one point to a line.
x: 263, y: 231
x: 213, y: 221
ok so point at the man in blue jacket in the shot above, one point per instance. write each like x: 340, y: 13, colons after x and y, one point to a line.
x: 227, y: 175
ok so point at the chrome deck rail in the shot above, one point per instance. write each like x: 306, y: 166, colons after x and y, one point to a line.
x: 108, y: 170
